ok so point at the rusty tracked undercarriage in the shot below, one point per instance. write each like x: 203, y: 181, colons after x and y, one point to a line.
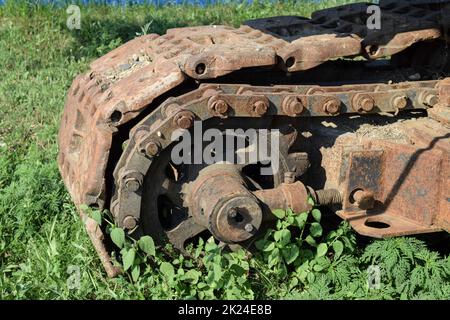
x: 363, y: 116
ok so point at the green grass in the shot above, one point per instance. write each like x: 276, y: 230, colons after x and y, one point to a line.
x: 40, y: 232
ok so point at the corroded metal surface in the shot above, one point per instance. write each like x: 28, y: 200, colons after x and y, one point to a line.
x: 142, y: 92
x: 401, y: 185
x: 158, y: 128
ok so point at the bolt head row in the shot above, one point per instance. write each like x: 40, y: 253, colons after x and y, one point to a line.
x: 291, y: 105
x: 220, y: 107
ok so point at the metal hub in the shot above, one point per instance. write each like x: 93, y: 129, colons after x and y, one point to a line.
x: 220, y: 200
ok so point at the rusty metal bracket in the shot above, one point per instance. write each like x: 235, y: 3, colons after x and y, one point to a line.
x: 393, y: 189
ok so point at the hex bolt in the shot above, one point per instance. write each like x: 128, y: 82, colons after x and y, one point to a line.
x: 432, y: 100
x: 152, y: 148
x: 184, y: 122
x: 367, y: 104
x: 132, y: 184
x: 248, y: 227
x: 429, y: 99
x: 363, y: 103
x: 292, y: 106
x: 184, y: 119
x: 218, y: 107
x: 331, y: 106
x: 400, y: 102
x: 129, y: 222
x: 364, y: 199
x: 232, y: 213
x: 260, y: 107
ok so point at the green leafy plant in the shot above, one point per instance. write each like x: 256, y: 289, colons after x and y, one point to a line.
x: 298, y: 244
x: 295, y: 259
x: 410, y: 268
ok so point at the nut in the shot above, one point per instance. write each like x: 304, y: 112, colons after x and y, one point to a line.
x: 184, y: 119
x: 429, y: 99
x: 362, y: 102
x: 152, y: 148
x: 132, y: 184
x: 260, y: 107
x: 218, y: 107
x: 129, y: 222
x: 292, y: 106
x: 364, y: 199
x: 432, y: 100
x: 400, y: 102
x: 331, y: 106
x: 232, y: 213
